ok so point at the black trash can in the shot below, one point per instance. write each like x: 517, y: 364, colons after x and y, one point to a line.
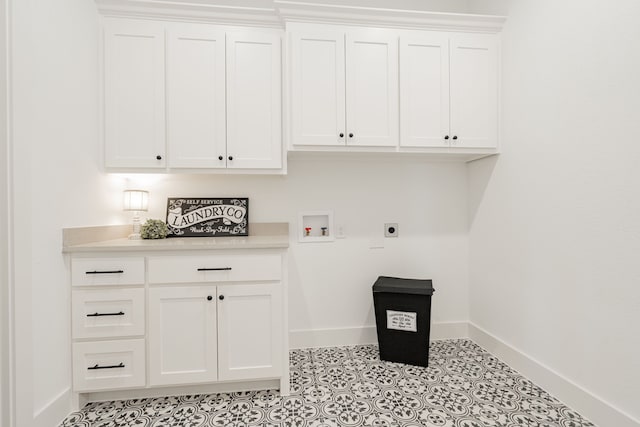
x: 403, y: 319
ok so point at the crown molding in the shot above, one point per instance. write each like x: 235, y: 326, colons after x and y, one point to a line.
x: 276, y: 13
x: 191, y: 11
x: 344, y: 14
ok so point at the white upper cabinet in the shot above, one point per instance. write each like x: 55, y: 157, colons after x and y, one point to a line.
x: 134, y: 94
x: 344, y: 88
x: 372, y: 89
x: 424, y: 90
x: 318, y: 87
x: 449, y: 91
x: 196, y: 111
x: 474, y: 91
x: 254, y: 94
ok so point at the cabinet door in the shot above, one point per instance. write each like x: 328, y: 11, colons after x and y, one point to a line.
x: 372, y: 89
x: 196, y: 133
x: 254, y: 116
x: 134, y: 134
x: 318, y: 89
x: 474, y: 91
x: 182, y: 335
x: 250, y: 331
x: 424, y: 91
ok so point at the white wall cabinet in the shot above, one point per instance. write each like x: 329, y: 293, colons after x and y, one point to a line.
x: 134, y: 94
x: 223, y: 97
x: 344, y: 88
x: 449, y: 91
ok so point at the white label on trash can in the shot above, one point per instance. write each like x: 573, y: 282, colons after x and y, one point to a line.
x: 402, y: 320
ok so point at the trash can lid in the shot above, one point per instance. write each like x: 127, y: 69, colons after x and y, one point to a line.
x: 403, y: 286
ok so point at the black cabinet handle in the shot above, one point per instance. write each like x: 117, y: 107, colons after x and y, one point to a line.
x: 209, y: 298
x: 350, y: 135
x: 158, y: 157
x: 455, y: 137
x: 105, y: 272
x: 215, y: 269
x: 220, y: 157
x: 341, y: 135
x: 230, y: 157
x: 221, y: 297
x: 120, y: 313
x: 446, y: 137
x: 91, y: 368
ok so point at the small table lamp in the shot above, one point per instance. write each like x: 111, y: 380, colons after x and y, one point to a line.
x: 136, y: 201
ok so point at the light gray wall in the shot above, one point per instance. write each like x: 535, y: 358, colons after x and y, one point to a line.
x: 555, y: 220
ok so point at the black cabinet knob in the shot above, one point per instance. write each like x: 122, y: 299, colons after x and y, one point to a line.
x: 446, y: 137
x: 350, y: 135
x: 209, y: 298
x: 341, y: 135
x: 230, y: 157
x: 158, y: 157
x: 220, y: 157
x: 221, y: 297
x: 455, y: 137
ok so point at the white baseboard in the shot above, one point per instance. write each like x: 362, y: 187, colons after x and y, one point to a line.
x: 55, y: 411
x: 305, y: 338
x: 596, y: 409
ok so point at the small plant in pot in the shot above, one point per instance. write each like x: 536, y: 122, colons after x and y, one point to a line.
x: 153, y: 229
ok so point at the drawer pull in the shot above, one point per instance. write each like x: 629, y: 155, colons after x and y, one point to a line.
x: 120, y: 313
x: 91, y: 368
x: 215, y: 269
x: 105, y: 272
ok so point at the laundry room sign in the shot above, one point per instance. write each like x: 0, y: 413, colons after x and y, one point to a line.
x: 209, y: 217
x: 402, y: 321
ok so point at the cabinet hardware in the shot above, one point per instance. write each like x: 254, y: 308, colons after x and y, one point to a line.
x: 221, y: 297
x: 230, y: 157
x: 105, y: 272
x: 120, y: 313
x: 446, y: 137
x: 455, y: 137
x: 209, y: 297
x: 158, y: 157
x: 220, y: 157
x: 350, y: 135
x: 341, y: 135
x: 91, y: 368
x: 215, y: 269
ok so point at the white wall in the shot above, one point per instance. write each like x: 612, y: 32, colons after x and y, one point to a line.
x: 330, y: 283
x: 4, y: 225
x: 57, y: 183
x: 555, y: 221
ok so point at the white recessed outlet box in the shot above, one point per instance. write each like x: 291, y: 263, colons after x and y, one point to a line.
x: 316, y: 226
x: 391, y: 229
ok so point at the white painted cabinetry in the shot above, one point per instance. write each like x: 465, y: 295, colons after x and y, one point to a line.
x: 448, y: 90
x: 134, y: 94
x: 344, y: 88
x: 200, y: 317
x: 222, y: 101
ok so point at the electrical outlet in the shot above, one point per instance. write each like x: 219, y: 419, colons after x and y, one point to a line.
x: 391, y: 230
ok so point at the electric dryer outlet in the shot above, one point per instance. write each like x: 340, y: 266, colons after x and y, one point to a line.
x: 391, y: 230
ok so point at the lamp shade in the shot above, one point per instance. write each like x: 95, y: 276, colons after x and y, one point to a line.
x: 135, y: 200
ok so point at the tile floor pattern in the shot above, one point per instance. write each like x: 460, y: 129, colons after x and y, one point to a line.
x: 464, y: 386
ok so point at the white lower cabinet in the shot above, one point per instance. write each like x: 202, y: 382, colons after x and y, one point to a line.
x: 249, y: 331
x: 182, y: 335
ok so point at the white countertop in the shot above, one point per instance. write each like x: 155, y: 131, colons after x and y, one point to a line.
x: 271, y: 240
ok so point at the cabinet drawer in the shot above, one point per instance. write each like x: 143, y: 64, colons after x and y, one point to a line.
x: 107, y: 313
x: 107, y: 365
x: 214, y: 268
x: 107, y: 271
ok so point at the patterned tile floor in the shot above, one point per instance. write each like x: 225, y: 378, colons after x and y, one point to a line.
x: 464, y: 386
